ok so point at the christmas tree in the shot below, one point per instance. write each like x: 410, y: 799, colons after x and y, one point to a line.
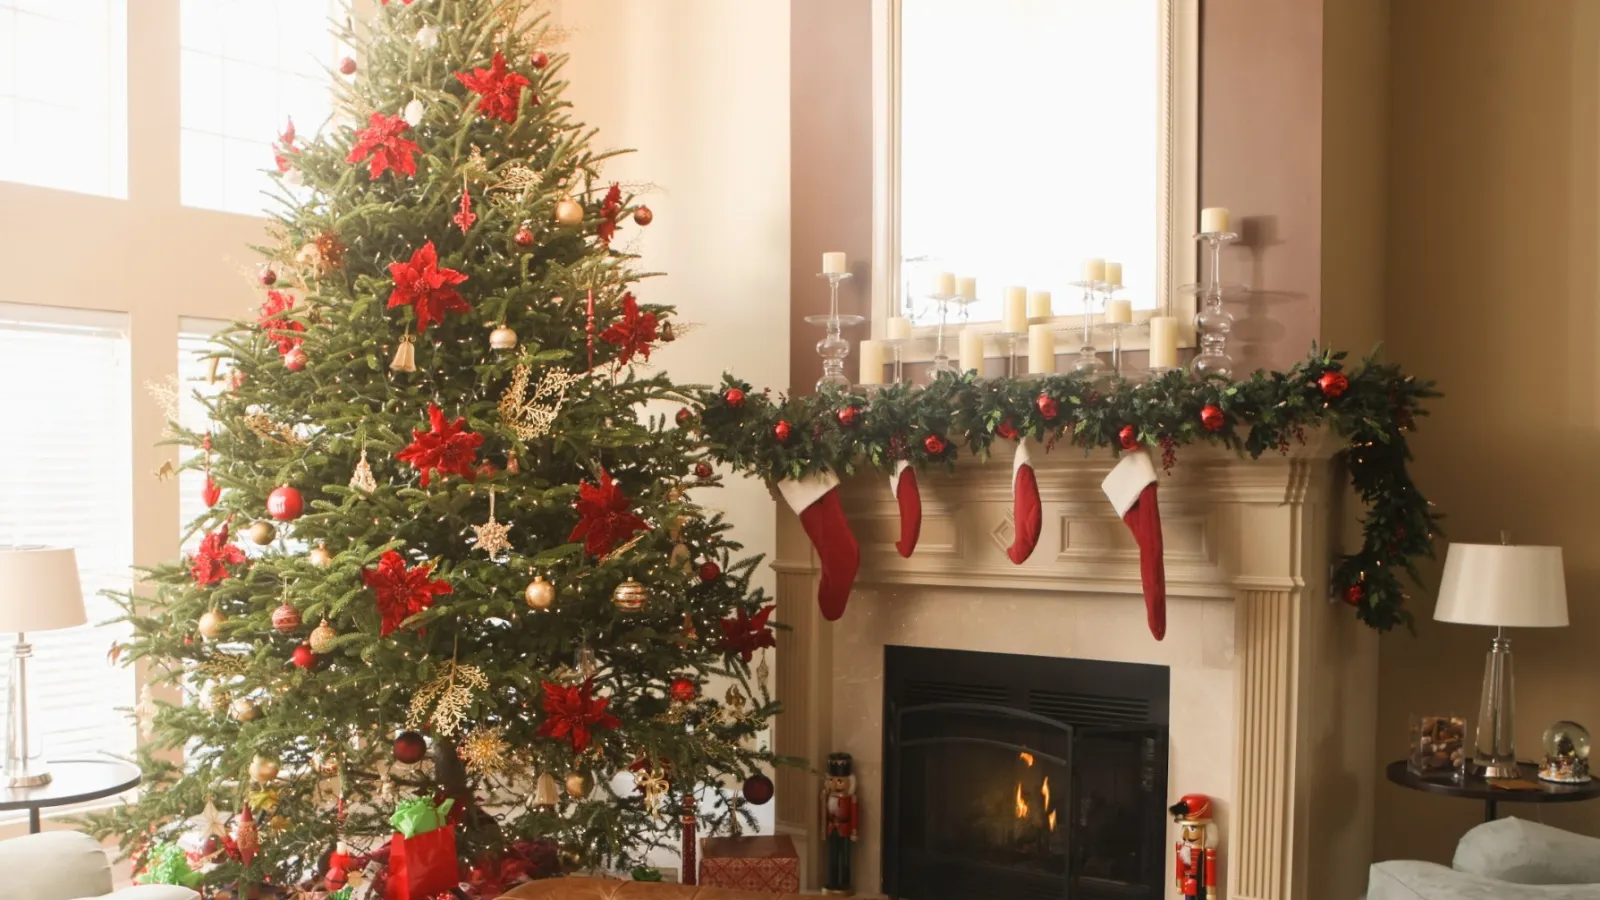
x: 447, y: 555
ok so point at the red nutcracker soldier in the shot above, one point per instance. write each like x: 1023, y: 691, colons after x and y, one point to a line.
x: 1197, y: 848
x: 840, y: 823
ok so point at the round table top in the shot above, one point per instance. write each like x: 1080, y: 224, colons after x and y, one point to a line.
x: 73, y: 781
x: 1474, y: 788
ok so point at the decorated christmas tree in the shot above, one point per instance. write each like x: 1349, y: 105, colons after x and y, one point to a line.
x: 448, y: 554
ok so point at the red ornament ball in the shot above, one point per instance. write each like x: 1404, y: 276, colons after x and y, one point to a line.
x: 539, y: 59
x: 1048, y: 406
x: 347, y: 66
x: 702, y: 470
x: 410, y: 747
x: 303, y: 657
x: 734, y: 397
x: 934, y: 444
x: 1211, y: 417
x: 758, y: 789
x: 710, y: 571
x: 285, y: 504
x: 684, y: 690
x: 783, y: 431
x: 1128, y: 437
x: 1333, y: 384
x: 685, y: 416
x: 523, y: 237
x: 849, y: 417
x: 643, y: 216
x: 268, y: 276
x: 1354, y: 594
x: 285, y: 618
x: 1007, y: 430
x: 295, y: 360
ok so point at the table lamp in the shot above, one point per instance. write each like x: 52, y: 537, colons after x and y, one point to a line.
x: 1505, y: 586
x: 39, y: 591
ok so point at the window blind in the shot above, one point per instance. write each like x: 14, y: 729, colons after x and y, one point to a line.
x: 66, y: 480
x: 195, y: 376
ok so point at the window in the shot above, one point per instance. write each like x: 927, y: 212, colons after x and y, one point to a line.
x: 247, y: 68
x: 1025, y: 136
x: 64, y: 94
x: 66, y: 481
x: 196, y: 376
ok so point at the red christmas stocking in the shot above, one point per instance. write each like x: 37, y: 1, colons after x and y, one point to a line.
x: 903, y: 484
x: 1025, y: 508
x: 1131, y: 488
x: 815, y: 499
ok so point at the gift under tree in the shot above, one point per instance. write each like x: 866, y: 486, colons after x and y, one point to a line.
x: 446, y: 556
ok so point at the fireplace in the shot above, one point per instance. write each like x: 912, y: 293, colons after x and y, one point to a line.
x: 1022, y: 776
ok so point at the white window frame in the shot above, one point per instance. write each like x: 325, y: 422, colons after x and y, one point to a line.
x: 1177, y: 178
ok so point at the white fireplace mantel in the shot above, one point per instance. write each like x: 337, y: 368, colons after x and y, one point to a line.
x: 1273, y: 686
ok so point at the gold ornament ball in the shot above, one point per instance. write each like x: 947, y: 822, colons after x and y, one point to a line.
x: 540, y: 594
x: 630, y: 596
x: 321, y: 637
x: 262, y: 532
x: 320, y: 557
x: 211, y: 624
x: 578, y: 786
x: 244, y: 709
x: 503, y: 338
x: 263, y: 769
x: 219, y: 701
x: 569, y: 212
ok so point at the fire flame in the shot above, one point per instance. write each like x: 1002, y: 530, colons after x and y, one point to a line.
x: 1022, y: 805
x: 1026, y: 757
x: 1044, y: 793
x: 1052, y: 820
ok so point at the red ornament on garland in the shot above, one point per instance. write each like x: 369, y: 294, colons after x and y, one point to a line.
x: 758, y: 789
x: 347, y: 66
x: 303, y: 657
x: 1007, y: 430
x: 685, y: 417
x: 268, y: 276
x: 702, y: 470
x: 1211, y: 417
x: 782, y: 431
x: 1128, y: 437
x: 934, y: 444
x: 285, y: 504
x: 684, y: 690
x: 849, y: 417
x: 1354, y: 594
x: 295, y: 360
x: 643, y: 216
x: 1333, y: 384
x: 539, y: 59
x: 710, y: 571
x: 1048, y: 406
x: 285, y: 618
x: 410, y: 747
x: 734, y: 397
x: 524, y: 236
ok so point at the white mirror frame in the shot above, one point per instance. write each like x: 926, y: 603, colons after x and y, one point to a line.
x: 1177, y: 174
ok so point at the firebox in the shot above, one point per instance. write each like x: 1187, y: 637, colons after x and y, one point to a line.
x: 1022, y: 777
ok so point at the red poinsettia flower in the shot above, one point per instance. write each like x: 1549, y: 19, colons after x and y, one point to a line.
x: 610, y: 210
x: 501, y: 89
x: 278, y: 326
x: 401, y: 592
x: 421, y: 284
x: 605, y: 516
x: 382, y: 146
x: 574, y: 712
x: 744, y: 634
x: 447, y: 448
x: 634, y: 333
x: 210, y: 563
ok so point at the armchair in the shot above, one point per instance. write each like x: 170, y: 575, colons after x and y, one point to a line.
x: 68, y: 865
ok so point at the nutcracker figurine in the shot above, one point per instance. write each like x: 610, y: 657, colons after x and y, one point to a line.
x: 1197, y: 848
x: 840, y: 824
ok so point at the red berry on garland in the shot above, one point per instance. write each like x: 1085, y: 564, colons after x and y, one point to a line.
x: 285, y: 618
x: 539, y: 59
x: 1007, y: 430
x: 1333, y: 384
x: 758, y: 789
x: 523, y: 237
x: 734, y: 397
x: 268, y: 276
x: 1128, y: 437
x: 303, y: 657
x: 710, y: 571
x: 347, y: 66
x: 410, y: 747
x: 849, y: 417
x: 295, y: 360
x: 684, y: 690
x: 783, y: 431
x: 1354, y: 594
x: 643, y: 216
x: 933, y: 444
x: 1048, y: 406
x: 285, y: 504
x: 702, y: 470
x: 1211, y: 417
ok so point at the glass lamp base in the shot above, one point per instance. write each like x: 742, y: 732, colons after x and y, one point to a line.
x: 1494, y: 754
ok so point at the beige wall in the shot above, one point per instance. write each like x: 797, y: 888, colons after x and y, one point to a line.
x: 1493, y: 229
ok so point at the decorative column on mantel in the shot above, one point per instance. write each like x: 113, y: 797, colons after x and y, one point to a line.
x: 1248, y: 547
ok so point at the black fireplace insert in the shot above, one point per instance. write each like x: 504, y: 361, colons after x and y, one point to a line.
x: 1013, y: 777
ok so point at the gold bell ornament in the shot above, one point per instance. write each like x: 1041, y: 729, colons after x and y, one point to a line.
x: 546, y: 792
x: 405, y: 356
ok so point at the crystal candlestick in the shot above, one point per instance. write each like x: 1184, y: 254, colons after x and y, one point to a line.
x: 1116, y: 329
x: 1088, y: 361
x: 833, y: 348
x: 1212, y: 323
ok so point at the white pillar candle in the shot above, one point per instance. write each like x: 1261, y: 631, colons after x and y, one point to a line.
x: 971, y: 350
x: 1214, y: 218
x: 1014, y: 315
x: 944, y: 284
x: 1038, y: 304
x: 1114, y: 274
x: 1119, y: 310
x: 1094, y: 269
x: 899, y: 328
x: 1163, y: 342
x: 1041, y: 349
x: 967, y: 287
x: 834, y: 263
x: 871, y: 355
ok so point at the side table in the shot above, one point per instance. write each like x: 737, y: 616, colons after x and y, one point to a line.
x: 1475, y: 788
x: 72, y: 781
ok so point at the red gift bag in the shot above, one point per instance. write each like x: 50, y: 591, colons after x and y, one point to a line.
x: 422, y: 867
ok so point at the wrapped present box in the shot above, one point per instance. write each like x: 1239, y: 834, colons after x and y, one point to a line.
x: 765, y: 864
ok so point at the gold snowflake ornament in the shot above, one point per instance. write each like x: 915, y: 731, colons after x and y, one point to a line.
x: 449, y: 696
x: 531, y: 417
x: 492, y: 535
x: 485, y: 751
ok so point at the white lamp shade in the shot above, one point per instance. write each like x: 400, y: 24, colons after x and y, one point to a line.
x: 1503, y: 585
x: 39, y: 589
